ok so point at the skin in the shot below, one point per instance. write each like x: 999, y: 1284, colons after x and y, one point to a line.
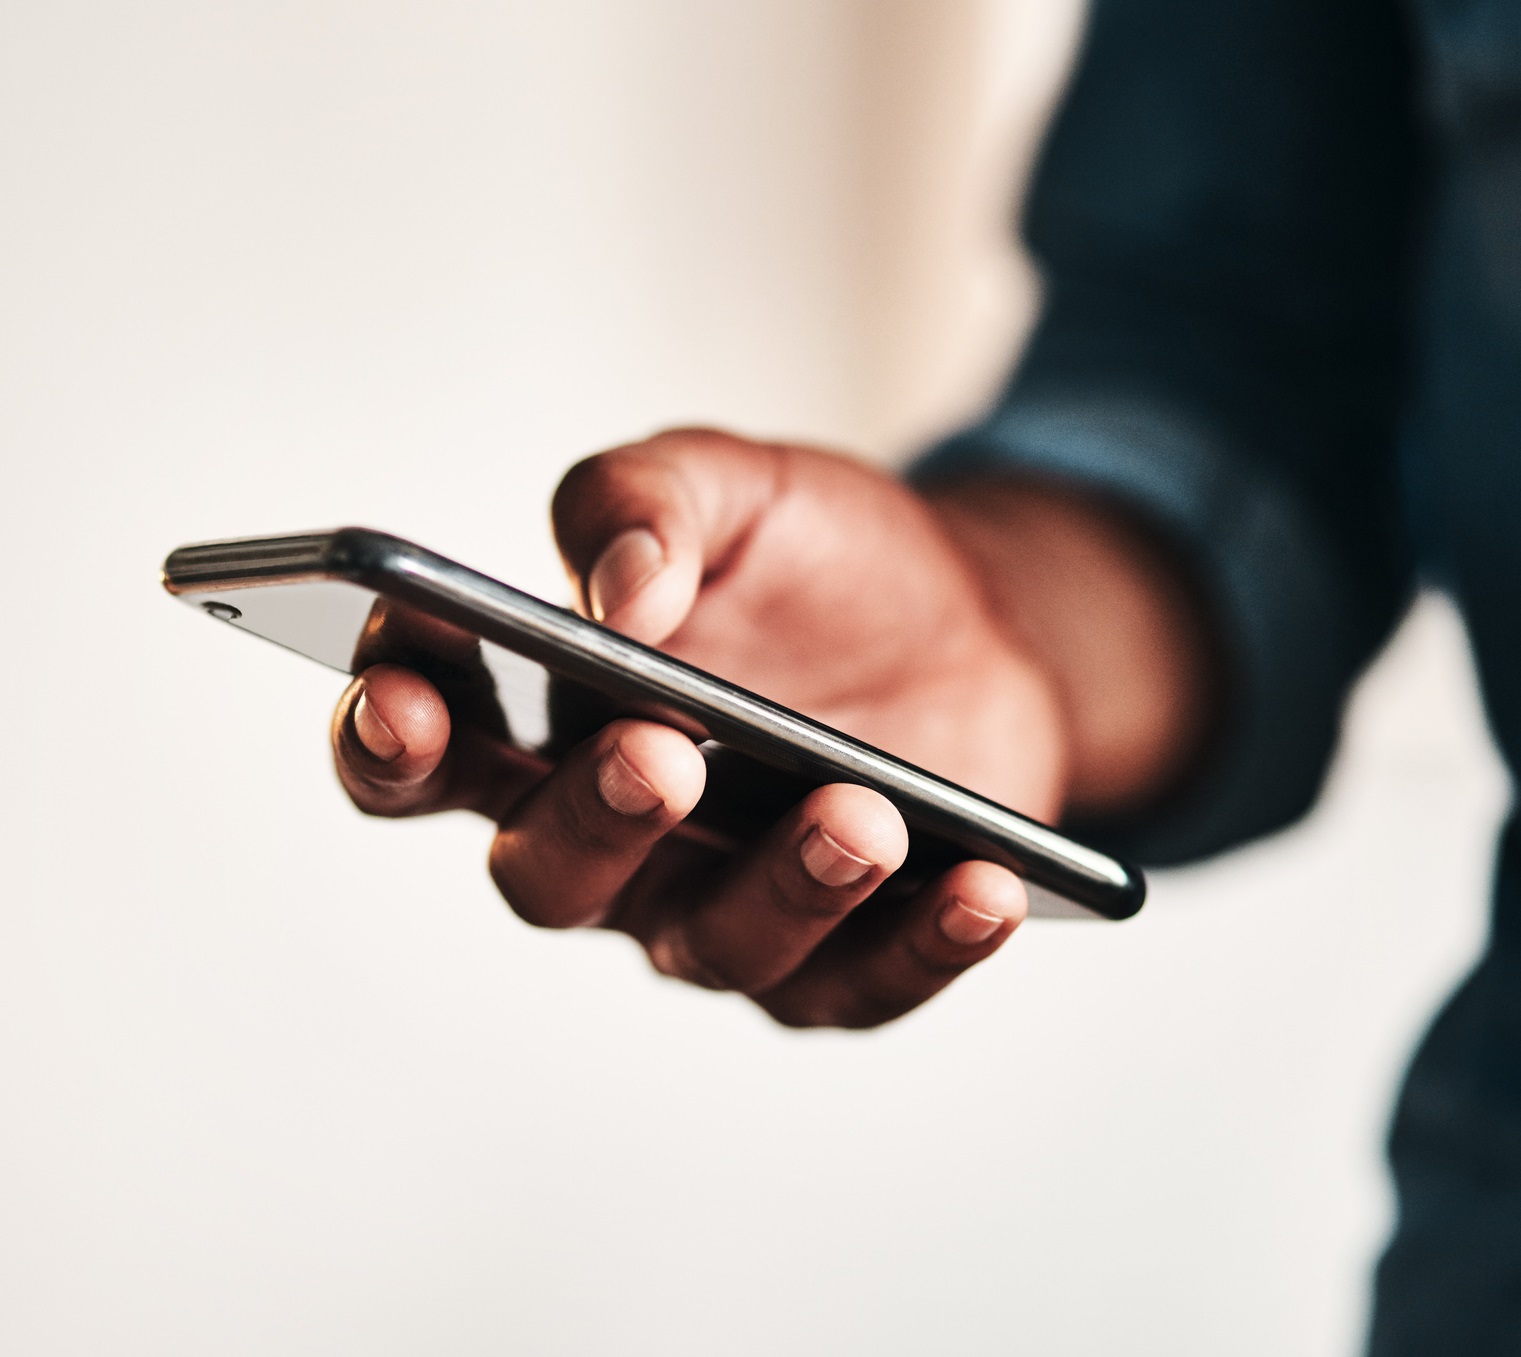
x: 1032, y: 645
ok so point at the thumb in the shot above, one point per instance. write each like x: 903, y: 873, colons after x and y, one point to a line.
x: 643, y: 527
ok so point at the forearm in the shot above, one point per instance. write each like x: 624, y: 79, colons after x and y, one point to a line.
x: 1110, y: 616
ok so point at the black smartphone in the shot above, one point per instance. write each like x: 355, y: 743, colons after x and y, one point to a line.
x: 542, y: 678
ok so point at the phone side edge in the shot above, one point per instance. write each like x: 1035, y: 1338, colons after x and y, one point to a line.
x: 1094, y: 881
x: 1097, y: 881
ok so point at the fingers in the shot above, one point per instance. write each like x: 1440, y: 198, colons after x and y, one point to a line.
x: 641, y: 527
x: 776, y: 905
x: 869, y: 977
x: 390, y: 736
x: 779, y: 925
x: 397, y: 751
x: 569, y: 848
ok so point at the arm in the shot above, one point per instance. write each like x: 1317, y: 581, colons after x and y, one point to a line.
x: 1224, y: 215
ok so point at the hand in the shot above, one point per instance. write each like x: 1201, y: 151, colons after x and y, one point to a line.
x: 822, y: 584
x: 1030, y: 644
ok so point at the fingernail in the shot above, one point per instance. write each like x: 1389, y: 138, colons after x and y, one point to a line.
x: 966, y: 926
x: 373, y: 732
x: 622, y: 570
x: 622, y: 788
x: 828, y: 863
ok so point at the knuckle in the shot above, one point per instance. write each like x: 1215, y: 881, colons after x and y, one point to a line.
x: 377, y: 807
x: 579, y: 479
x: 875, y: 1010
x: 526, y: 903
x: 508, y: 866
x: 688, y: 434
x: 794, y: 1011
x: 803, y: 901
x: 672, y: 955
x: 588, y: 826
x: 377, y: 800
x: 932, y: 962
x: 396, y: 799
x: 813, y: 1009
x: 889, y: 994
x: 500, y: 865
x: 873, y: 1005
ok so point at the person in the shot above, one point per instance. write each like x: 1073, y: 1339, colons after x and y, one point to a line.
x: 1276, y: 380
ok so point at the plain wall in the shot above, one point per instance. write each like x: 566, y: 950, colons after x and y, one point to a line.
x: 276, y: 1078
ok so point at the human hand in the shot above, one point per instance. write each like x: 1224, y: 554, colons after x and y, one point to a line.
x: 826, y: 586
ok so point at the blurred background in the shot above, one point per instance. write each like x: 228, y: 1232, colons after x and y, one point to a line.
x: 274, y: 1078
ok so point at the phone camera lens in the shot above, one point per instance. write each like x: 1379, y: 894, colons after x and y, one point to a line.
x: 223, y: 612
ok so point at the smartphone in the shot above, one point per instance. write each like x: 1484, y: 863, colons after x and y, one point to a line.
x: 541, y: 678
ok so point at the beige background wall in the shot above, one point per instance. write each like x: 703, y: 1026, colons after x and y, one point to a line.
x: 277, y: 1079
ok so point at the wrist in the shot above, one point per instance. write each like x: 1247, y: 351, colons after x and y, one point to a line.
x: 1100, y: 607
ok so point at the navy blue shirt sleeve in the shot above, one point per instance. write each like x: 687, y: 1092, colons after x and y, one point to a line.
x: 1223, y: 217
